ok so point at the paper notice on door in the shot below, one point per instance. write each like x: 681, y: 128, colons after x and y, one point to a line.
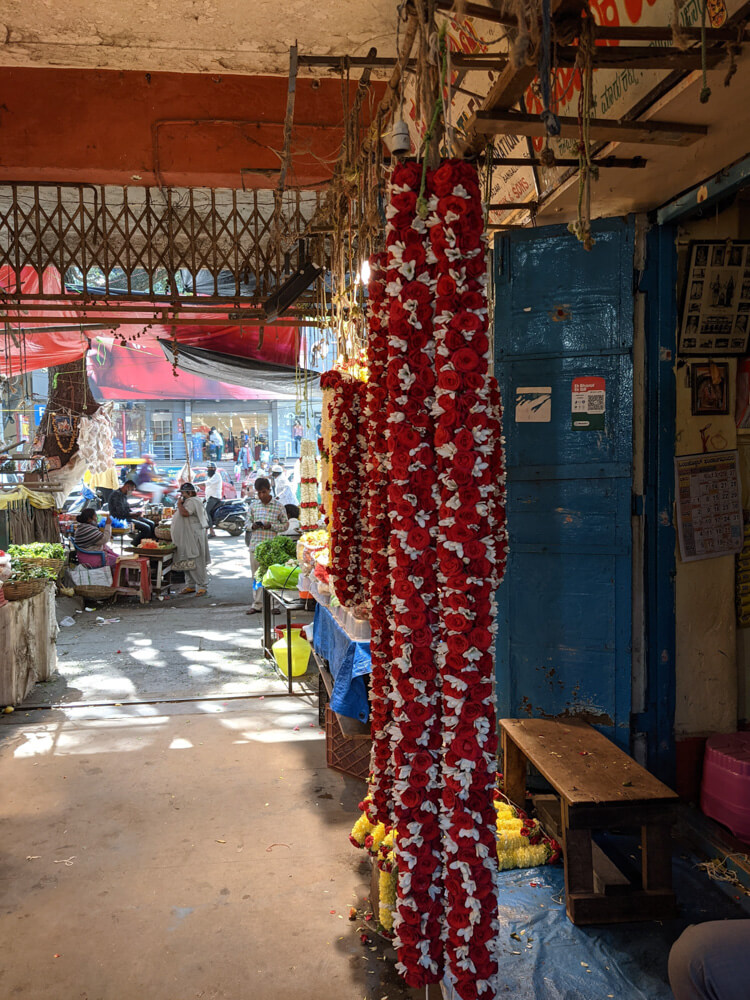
x: 588, y: 403
x: 533, y: 404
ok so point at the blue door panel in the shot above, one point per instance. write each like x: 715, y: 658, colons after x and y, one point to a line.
x: 557, y: 440
x: 565, y: 604
x: 564, y: 300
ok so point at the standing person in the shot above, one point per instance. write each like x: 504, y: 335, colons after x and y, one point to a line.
x: 282, y: 488
x: 267, y: 519
x: 189, y: 535
x: 91, y: 540
x: 238, y: 471
x: 216, y: 442
x: 297, y: 432
x: 214, y: 494
x: 119, y: 507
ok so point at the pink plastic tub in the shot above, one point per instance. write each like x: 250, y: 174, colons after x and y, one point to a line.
x: 725, y: 790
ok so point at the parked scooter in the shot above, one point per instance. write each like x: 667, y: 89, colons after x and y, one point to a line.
x: 230, y: 516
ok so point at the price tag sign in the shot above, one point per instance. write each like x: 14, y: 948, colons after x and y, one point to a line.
x: 588, y: 403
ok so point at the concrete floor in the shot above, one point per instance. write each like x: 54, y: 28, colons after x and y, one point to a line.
x: 183, y: 850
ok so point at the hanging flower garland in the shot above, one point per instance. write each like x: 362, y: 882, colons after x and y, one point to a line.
x: 467, y: 437
x: 308, y: 487
x: 376, y: 541
x: 415, y: 685
x: 347, y: 475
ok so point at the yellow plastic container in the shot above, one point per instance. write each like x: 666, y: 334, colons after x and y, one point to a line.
x: 300, y: 654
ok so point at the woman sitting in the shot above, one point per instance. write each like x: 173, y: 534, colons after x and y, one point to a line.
x: 90, y: 539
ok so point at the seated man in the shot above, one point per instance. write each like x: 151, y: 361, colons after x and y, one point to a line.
x: 711, y: 961
x: 120, y: 508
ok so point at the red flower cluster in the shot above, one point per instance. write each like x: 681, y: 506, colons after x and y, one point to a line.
x: 375, y: 544
x: 415, y: 695
x: 346, y: 486
x: 468, y: 446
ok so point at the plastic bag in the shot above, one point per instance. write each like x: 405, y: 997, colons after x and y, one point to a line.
x: 278, y: 576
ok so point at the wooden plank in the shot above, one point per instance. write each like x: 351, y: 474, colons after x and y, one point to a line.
x: 512, y: 83
x: 656, y: 848
x: 583, y: 765
x: 593, y: 908
x: 600, y: 130
x: 608, y: 879
x: 605, y: 815
x: 579, y: 868
x: 514, y: 772
x: 642, y: 57
x: 479, y: 12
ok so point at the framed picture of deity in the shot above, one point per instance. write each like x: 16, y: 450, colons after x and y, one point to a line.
x: 715, y: 316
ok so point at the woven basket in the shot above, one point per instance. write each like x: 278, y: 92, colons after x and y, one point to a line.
x: 24, y: 588
x: 94, y: 593
x: 163, y: 533
x: 56, y: 564
x: 151, y: 552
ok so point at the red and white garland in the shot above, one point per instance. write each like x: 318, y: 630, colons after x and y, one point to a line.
x: 467, y: 438
x: 308, y: 487
x: 347, y: 478
x: 416, y: 728
x: 375, y: 545
x: 434, y: 727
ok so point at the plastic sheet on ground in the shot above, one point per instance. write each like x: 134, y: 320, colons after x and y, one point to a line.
x: 564, y: 962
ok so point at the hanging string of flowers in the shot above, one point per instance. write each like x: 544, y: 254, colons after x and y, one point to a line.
x: 347, y: 476
x: 308, y: 487
x: 466, y: 437
x: 415, y: 696
x: 376, y: 542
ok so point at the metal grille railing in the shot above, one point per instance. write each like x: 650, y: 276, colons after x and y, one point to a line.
x: 149, y: 243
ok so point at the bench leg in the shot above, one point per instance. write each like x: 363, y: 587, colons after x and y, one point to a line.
x: 656, y: 848
x: 514, y: 772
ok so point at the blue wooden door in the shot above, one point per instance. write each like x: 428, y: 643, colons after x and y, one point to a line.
x: 565, y: 316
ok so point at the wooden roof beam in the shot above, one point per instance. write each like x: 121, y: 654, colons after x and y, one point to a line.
x: 600, y: 129
x: 642, y: 57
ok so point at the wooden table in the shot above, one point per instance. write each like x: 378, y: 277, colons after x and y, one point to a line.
x: 162, y: 569
x: 600, y: 788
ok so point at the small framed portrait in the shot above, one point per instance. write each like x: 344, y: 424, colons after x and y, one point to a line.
x: 701, y: 255
x: 717, y: 255
x: 709, y: 388
x: 735, y: 256
x: 696, y: 290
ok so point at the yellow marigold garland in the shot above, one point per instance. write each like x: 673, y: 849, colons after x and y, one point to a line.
x: 521, y: 843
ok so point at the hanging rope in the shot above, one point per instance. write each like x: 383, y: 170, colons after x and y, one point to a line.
x: 587, y: 171
x: 705, y: 89
x: 550, y: 119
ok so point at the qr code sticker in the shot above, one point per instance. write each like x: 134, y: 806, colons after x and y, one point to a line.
x: 596, y: 402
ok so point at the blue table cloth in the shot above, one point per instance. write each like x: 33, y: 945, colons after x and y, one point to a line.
x: 349, y: 662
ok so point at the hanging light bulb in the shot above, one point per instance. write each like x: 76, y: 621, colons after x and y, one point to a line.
x: 364, y: 271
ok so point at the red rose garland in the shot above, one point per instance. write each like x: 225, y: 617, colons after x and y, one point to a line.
x: 375, y: 546
x: 467, y: 438
x: 347, y: 475
x: 415, y: 694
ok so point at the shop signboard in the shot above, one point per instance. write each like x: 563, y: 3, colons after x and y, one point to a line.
x: 616, y: 91
x: 709, y: 505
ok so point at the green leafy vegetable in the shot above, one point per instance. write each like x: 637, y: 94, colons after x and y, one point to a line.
x: 275, y: 551
x: 37, y: 550
x: 29, y: 571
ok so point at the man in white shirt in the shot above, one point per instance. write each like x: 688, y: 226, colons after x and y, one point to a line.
x: 282, y: 488
x: 214, y: 495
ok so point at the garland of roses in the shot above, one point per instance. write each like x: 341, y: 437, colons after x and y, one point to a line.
x: 416, y: 727
x: 347, y: 474
x: 469, y: 553
x: 375, y: 545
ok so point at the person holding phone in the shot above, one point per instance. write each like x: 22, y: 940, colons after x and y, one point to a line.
x: 266, y: 519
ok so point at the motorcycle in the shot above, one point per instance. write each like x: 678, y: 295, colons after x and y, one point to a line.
x: 230, y: 516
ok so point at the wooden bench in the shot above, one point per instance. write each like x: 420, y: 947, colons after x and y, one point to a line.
x: 600, y: 788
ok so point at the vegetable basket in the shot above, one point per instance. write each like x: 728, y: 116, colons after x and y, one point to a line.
x: 55, y: 564
x: 164, y: 533
x: 91, y: 592
x: 22, y: 589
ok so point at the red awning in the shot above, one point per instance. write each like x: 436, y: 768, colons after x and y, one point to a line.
x: 43, y: 344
